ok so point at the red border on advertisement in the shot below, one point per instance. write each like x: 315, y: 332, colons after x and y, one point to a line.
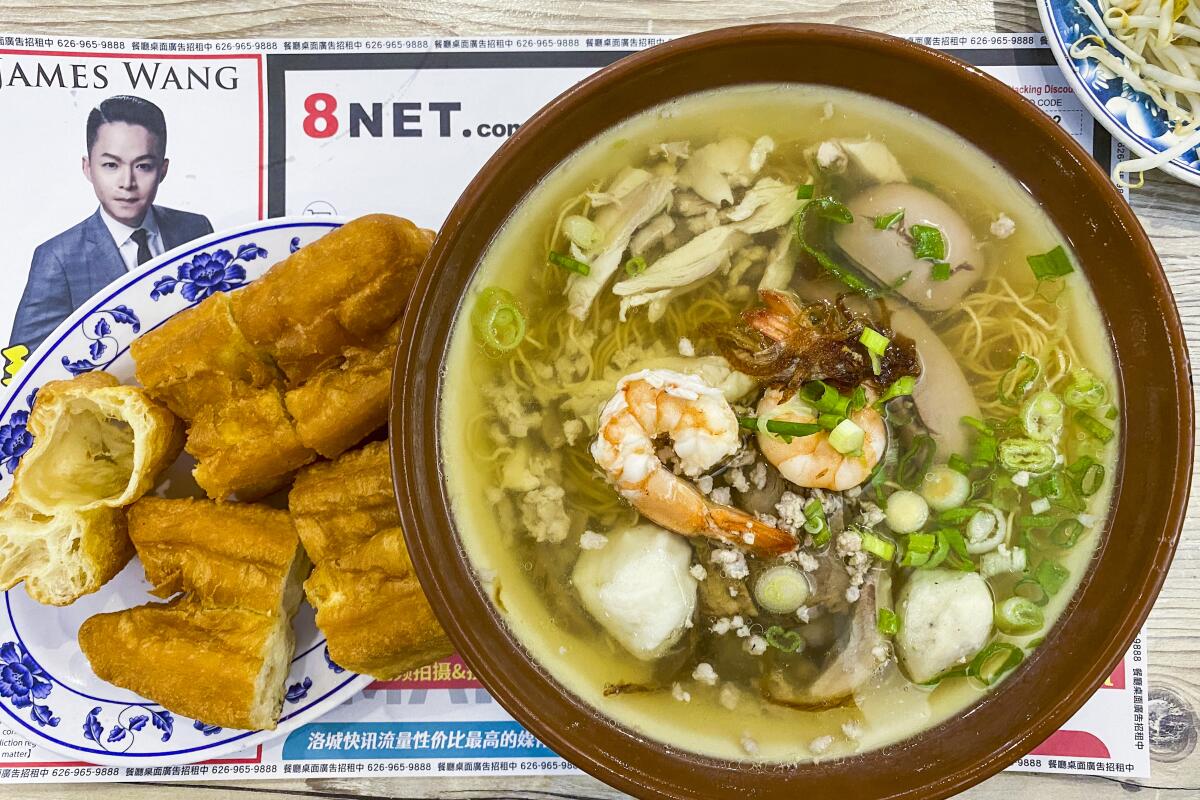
x: 257, y: 57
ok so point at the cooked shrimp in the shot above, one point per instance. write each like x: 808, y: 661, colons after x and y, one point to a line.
x: 703, y: 430
x: 811, y: 461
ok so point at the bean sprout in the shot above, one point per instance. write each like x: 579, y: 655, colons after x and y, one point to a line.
x: 1158, y: 42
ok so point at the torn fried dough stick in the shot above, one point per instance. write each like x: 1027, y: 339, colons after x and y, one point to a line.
x: 220, y: 652
x: 294, y: 365
x: 226, y: 554
x: 97, y: 447
x: 369, y: 603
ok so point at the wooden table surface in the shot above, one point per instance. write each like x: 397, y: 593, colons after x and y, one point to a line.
x: 1170, y: 210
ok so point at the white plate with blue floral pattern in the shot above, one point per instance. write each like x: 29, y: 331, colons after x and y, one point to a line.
x: 1128, y: 115
x: 48, y: 692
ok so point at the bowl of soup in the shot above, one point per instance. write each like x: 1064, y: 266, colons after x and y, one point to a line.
x: 767, y: 418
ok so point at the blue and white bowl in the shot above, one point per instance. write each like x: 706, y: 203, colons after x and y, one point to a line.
x: 1128, y: 115
x: 48, y: 692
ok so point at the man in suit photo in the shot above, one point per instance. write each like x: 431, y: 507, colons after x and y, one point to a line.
x: 125, y: 162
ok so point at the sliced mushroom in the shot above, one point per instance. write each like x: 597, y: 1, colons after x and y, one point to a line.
x: 888, y: 254
x: 830, y: 581
x: 942, y: 395
x: 618, y: 222
x: 850, y: 663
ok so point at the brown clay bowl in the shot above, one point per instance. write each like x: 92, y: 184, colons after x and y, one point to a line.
x: 1153, y: 474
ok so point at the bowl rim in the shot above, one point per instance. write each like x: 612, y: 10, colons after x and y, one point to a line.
x: 439, y: 558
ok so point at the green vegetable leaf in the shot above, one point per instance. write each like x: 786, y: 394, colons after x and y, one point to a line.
x: 1050, y: 265
x: 927, y: 242
x: 886, y: 221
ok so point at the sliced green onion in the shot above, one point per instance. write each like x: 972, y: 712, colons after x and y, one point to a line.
x: 635, y: 266
x: 994, y: 661
x: 858, y: 399
x: 885, y: 221
x: 977, y: 424
x: 901, y: 387
x: 922, y: 542
x: 785, y: 640
x: 1031, y: 590
x: 1094, y: 427
x: 1026, y: 455
x: 1035, y: 521
x: 874, y: 341
x: 825, y: 398
x: 939, y: 554
x: 983, y: 450
x: 1042, y: 417
x: 955, y: 539
x: 833, y: 210
x: 847, y: 437
x: 927, y: 242
x: 1087, y: 475
x: 1067, y: 533
x: 815, y: 524
x: 568, y: 263
x: 944, y: 488
x: 829, y: 421
x: 845, y: 275
x: 906, y: 511
x: 914, y: 462
x: 582, y: 231
x: 1049, y: 486
x: 1051, y: 575
x: 1019, y: 616
x: 959, y: 464
x: 1085, y: 390
x: 1112, y: 413
x: 781, y: 589
x: 1052, y: 264
x: 781, y: 428
x: 940, y: 271
x: 497, y: 321
x: 956, y: 516
x: 1014, y: 383
x: 887, y: 623
x: 912, y: 558
x: 1005, y: 494
x: 805, y: 191
x: 877, y: 546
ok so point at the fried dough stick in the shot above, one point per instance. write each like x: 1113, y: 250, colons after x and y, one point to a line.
x: 295, y: 364
x: 342, y: 291
x: 219, y: 652
x: 369, y: 603
x: 201, y: 366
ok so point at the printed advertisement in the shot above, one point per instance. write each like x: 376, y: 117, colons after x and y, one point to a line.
x: 127, y: 149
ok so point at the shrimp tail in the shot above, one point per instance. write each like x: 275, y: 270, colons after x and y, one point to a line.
x: 747, y: 532
x: 775, y: 319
